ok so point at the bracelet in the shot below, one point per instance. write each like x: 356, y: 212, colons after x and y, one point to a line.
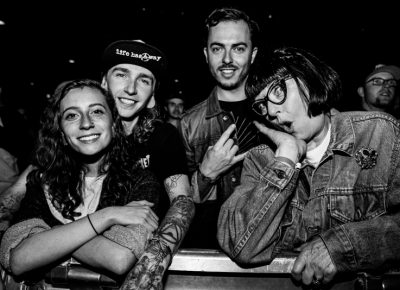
x: 207, y: 179
x: 88, y: 217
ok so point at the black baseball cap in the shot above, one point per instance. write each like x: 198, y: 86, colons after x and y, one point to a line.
x: 134, y: 52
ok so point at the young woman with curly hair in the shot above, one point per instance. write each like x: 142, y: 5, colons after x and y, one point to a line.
x: 85, y: 192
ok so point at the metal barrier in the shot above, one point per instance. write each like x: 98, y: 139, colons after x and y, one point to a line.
x: 210, y: 269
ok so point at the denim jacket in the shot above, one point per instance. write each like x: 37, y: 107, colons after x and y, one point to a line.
x: 201, y: 127
x: 352, y: 199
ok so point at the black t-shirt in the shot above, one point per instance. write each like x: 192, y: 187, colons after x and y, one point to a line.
x: 163, y: 154
x: 247, y: 133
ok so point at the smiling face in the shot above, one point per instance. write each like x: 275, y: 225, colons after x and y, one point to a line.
x: 291, y: 116
x: 229, y: 53
x: 132, y: 88
x: 378, y: 97
x: 86, y: 120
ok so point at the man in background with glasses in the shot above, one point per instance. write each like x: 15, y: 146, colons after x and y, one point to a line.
x: 378, y: 92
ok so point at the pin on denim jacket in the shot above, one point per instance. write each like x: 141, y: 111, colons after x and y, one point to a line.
x: 353, y: 201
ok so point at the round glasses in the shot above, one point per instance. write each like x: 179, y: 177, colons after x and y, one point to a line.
x: 275, y: 95
x: 382, y: 82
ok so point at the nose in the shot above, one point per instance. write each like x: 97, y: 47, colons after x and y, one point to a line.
x: 86, y: 122
x: 273, y: 110
x: 227, y: 57
x: 130, y: 87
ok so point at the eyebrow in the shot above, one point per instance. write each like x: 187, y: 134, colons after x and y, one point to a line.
x: 234, y: 45
x: 78, y: 108
x: 125, y: 70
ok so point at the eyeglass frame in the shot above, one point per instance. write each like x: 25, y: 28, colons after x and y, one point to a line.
x: 384, y: 82
x: 266, y: 99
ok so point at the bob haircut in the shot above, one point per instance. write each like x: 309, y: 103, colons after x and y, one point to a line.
x: 320, y: 85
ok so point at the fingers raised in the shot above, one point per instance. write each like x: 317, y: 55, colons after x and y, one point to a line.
x: 224, y: 137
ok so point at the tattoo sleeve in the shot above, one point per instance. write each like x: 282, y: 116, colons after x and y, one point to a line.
x: 149, y: 270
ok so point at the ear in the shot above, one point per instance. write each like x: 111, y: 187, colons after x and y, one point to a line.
x: 360, y: 92
x: 152, y: 102
x: 205, y: 53
x: 104, y: 83
x: 254, y: 53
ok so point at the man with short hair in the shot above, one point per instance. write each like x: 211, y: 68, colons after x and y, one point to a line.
x: 218, y: 131
x: 378, y: 92
x: 174, y: 108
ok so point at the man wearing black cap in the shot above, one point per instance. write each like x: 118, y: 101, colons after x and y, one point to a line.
x: 378, y: 92
x: 131, y: 72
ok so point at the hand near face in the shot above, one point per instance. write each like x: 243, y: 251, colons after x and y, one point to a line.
x: 221, y: 156
x: 287, y: 145
x: 314, y: 263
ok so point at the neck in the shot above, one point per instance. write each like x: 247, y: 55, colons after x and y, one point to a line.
x: 234, y: 95
x: 370, y: 107
x: 92, y: 165
x: 129, y: 125
x: 321, y: 133
x: 174, y: 122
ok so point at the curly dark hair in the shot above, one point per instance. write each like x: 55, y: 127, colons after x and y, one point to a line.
x: 60, y: 168
x: 149, y: 119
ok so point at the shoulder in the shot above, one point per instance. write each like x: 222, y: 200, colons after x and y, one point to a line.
x: 365, y: 119
x: 164, y: 131
x: 196, y: 109
x: 359, y: 128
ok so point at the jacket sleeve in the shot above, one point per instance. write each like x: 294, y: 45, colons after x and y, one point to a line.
x: 249, y: 221
x: 202, y: 190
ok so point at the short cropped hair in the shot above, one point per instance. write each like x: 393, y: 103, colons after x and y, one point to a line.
x: 232, y: 14
x: 320, y: 85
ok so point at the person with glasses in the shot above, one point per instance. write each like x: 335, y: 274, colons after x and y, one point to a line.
x: 329, y: 188
x: 378, y: 91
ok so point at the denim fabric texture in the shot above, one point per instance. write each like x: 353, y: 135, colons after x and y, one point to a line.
x: 352, y: 203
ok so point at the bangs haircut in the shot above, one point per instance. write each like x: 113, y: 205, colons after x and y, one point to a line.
x: 319, y: 85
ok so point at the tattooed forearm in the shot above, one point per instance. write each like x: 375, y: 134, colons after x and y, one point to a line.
x: 149, y: 270
x: 172, y: 182
x: 176, y: 222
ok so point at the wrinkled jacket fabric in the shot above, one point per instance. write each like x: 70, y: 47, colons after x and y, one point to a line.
x: 352, y: 199
x: 200, y: 128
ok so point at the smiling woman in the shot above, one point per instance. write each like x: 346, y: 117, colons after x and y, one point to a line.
x: 84, y: 190
x: 86, y: 123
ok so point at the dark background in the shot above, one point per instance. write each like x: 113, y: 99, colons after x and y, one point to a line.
x: 38, y: 40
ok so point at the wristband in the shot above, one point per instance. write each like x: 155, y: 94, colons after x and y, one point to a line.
x: 88, y: 217
x: 206, y: 179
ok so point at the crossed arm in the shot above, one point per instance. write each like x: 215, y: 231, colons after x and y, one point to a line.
x: 149, y: 270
